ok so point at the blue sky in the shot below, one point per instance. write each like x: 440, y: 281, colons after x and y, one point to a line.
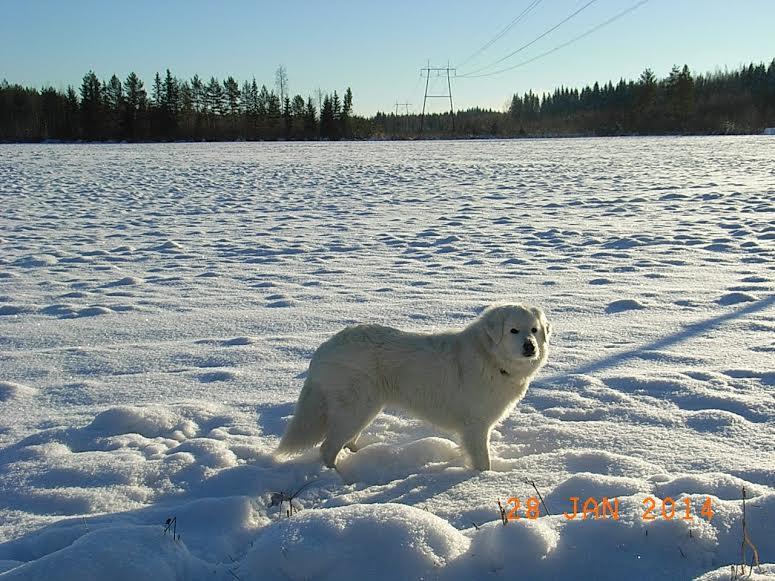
x: 377, y: 48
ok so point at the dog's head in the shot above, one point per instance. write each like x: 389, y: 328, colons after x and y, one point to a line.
x: 518, y: 335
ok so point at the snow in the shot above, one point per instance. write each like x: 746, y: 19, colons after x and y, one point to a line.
x: 159, y: 305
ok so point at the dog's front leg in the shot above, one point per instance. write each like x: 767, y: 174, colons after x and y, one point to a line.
x: 476, y: 441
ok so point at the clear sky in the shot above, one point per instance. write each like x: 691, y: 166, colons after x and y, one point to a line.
x: 376, y: 47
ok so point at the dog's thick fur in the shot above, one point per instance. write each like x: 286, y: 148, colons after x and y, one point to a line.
x: 463, y: 381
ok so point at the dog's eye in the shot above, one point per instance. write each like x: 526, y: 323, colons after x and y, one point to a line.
x: 534, y: 330
x: 514, y: 331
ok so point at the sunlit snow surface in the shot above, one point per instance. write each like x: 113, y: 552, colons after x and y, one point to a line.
x: 159, y: 305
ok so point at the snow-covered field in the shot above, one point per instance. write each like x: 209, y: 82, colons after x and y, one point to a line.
x: 159, y: 304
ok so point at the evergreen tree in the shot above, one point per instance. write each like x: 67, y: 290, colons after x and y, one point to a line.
x: 232, y: 99
x: 646, y: 101
x: 515, y: 108
x: 252, y: 110
x: 156, y: 95
x: 310, y: 120
x: 198, y: 95
x: 297, y: 117
x: 680, y: 93
x: 91, y: 106
x: 274, y: 116
x: 214, y: 97
x: 51, y: 105
x: 114, y: 107
x: 170, y: 106
x: 72, y: 114
x: 287, y: 118
x: 187, y: 125
x: 263, y: 103
x: 231, y: 89
x: 336, y: 106
x: 344, y: 118
x: 135, y: 104
x: 327, y: 119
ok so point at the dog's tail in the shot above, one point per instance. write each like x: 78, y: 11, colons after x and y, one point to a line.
x: 308, y: 425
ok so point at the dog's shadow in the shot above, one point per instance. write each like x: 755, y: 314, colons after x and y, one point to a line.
x: 273, y: 417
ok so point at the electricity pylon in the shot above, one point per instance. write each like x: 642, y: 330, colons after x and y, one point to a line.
x: 438, y: 72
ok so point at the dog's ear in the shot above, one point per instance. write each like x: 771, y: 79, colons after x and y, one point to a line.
x: 493, y: 324
x: 538, y: 312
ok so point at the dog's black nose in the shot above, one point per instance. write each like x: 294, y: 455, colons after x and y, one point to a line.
x: 529, y: 348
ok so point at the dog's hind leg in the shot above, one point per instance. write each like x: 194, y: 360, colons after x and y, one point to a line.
x: 352, y: 445
x: 343, y: 430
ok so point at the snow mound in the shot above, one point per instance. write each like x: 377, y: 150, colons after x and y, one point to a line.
x: 496, y: 548
x: 360, y: 541
x: 116, y: 553
x: 736, y: 298
x: 126, y: 281
x: 10, y: 391
x: 723, y: 486
x: 624, y: 305
x: 150, y: 422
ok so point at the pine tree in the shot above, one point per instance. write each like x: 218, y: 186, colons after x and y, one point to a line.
x: 515, y: 108
x: 198, y: 95
x: 310, y: 120
x: 646, y: 99
x: 327, y: 119
x: 253, y: 110
x: 71, y: 113
x: 263, y: 102
x: 186, y: 114
x: 114, y: 107
x: 135, y: 105
x: 170, y: 105
x: 214, y: 97
x: 336, y: 106
x: 274, y: 115
x: 287, y: 118
x: 91, y: 106
x: 232, y: 100
x: 680, y: 93
x: 347, y: 108
x: 156, y: 94
x: 231, y: 89
x: 297, y: 117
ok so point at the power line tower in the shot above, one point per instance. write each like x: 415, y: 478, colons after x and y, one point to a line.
x: 405, y: 124
x: 436, y: 72
x: 404, y: 106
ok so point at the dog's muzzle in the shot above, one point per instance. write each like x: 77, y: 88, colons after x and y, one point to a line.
x: 529, y: 348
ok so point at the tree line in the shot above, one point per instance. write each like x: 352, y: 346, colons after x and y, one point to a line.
x: 728, y: 102
x: 175, y: 109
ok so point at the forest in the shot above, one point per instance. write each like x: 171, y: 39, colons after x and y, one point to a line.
x: 174, y: 109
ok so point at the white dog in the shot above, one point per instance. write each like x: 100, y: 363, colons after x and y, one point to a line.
x: 463, y: 381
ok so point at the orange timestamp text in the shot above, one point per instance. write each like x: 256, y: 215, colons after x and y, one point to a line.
x: 653, y: 508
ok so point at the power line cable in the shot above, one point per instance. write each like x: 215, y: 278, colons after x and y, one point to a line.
x: 563, y: 45
x: 532, y: 42
x: 500, y: 34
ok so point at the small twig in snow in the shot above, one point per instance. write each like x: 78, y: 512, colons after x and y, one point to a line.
x: 533, y: 484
